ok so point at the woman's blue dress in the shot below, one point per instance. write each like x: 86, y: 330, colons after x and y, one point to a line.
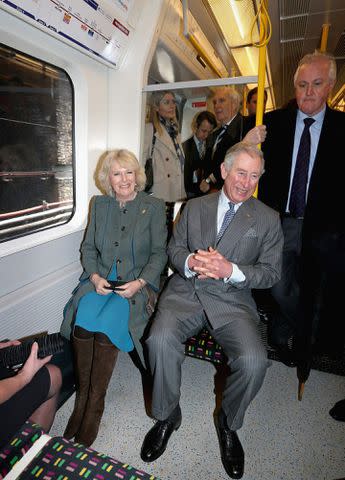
x: 107, y: 314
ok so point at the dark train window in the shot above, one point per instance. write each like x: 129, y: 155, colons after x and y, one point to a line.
x: 36, y: 145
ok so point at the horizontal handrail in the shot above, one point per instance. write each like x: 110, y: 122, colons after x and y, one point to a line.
x: 44, y: 207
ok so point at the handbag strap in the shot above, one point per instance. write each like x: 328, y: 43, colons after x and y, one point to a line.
x: 153, y: 140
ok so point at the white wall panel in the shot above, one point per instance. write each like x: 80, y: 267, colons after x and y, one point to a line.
x: 39, y: 305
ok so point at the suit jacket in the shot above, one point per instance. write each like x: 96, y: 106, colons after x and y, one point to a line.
x: 215, y: 157
x: 326, y: 181
x: 136, y: 238
x: 323, y: 237
x: 253, y: 241
x: 168, y: 179
x: 193, y: 163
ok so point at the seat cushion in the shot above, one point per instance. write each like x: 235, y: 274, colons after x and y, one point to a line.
x: 21, y: 442
x: 64, y: 459
x: 204, y: 346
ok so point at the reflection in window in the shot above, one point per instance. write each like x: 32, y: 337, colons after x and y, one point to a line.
x: 36, y: 145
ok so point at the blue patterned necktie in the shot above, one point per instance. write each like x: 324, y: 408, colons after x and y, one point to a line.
x: 300, y: 178
x: 229, y: 215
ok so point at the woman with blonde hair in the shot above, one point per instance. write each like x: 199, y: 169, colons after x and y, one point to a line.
x: 124, y: 242
x: 162, y: 144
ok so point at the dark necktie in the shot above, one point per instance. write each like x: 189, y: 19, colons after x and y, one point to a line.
x: 300, y: 178
x: 229, y: 215
x: 220, y: 136
x: 201, y: 149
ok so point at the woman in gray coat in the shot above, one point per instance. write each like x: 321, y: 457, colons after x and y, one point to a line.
x: 124, y: 242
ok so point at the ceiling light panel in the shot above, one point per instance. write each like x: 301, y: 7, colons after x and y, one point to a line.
x: 235, y: 18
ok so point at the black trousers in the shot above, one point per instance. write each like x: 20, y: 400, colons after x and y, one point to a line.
x: 286, y: 293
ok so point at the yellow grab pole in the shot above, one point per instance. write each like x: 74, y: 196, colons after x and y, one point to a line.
x: 324, y: 37
x: 262, y: 69
x: 262, y: 65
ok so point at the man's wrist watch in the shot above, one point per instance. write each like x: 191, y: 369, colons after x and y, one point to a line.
x: 208, y: 180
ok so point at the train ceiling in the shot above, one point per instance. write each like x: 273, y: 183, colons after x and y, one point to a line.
x: 296, y: 30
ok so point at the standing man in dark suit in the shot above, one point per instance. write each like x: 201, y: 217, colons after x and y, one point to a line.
x: 307, y: 143
x: 217, y: 263
x: 195, y: 149
x: 232, y: 129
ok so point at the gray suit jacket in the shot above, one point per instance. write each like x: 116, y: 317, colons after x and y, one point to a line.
x: 253, y: 241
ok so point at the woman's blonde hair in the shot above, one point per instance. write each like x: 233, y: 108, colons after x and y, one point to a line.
x: 156, y: 98
x: 125, y: 159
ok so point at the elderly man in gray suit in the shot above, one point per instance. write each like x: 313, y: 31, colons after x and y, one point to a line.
x: 224, y: 244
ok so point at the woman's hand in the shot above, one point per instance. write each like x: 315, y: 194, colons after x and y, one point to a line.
x: 10, y: 343
x: 100, y: 284
x: 129, y: 289
x: 33, y: 364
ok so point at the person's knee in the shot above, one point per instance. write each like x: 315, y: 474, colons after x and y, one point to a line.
x: 55, y: 379
x: 163, y: 339
x: 253, y: 363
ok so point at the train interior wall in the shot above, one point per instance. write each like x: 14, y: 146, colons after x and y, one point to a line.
x: 39, y: 271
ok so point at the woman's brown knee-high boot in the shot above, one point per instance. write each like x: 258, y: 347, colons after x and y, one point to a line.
x: 83, y: 355
x: 104, y: 359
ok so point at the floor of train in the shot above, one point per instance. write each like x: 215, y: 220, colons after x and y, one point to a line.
x: 282, y: 437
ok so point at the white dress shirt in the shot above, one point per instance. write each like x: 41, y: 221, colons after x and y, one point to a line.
x: 315, y: 131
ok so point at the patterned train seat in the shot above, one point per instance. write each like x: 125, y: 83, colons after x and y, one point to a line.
x: 18, y: 446
x: 64, y: 459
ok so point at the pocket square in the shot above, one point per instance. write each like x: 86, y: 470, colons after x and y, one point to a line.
x: 250, y: 233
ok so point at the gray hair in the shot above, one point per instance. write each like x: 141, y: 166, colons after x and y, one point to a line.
x: 317, y: 57
x: 230, y: 92
x: 126, y: 159
x: 241, y: 147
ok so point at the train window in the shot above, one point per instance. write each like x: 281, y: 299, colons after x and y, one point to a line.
x: 36, y: 145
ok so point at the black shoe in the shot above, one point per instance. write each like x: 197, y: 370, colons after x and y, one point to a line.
x: 156, y: 439
x: 285, y: 355
x: 338, y: 411
x: 231, y: 450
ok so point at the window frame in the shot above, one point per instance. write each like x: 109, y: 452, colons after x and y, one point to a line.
x: 57, y: 54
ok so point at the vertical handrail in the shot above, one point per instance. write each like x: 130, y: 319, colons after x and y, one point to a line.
x: 324, y: 37
x: 264, y: 37
x: 262, y: 63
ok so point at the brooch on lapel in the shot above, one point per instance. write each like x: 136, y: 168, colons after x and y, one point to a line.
x: 143, y: 211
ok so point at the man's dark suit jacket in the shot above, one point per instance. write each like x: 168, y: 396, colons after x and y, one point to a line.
x: 323, y: 248
x: 234, y: 133
x: 193, y: 163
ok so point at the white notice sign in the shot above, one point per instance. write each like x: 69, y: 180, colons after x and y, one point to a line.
x: 100, y: 27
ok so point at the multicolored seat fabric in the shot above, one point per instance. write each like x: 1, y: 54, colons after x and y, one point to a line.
x: 204, y: 346
x: 63, y: 459
x: 18, y: 446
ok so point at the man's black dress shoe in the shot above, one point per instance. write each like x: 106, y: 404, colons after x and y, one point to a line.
x: 231, y: 450
x: 156, y: 439
x: 338, y: 411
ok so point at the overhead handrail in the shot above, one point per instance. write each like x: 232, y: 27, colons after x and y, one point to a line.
x: 191, y: 38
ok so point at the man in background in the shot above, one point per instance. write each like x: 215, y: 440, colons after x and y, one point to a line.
x: 232, y: 129
x: 195, y: 149
x: 304, y: 176
x: 252, y: 100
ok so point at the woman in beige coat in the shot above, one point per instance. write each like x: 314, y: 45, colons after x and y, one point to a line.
x: 163, y: 143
